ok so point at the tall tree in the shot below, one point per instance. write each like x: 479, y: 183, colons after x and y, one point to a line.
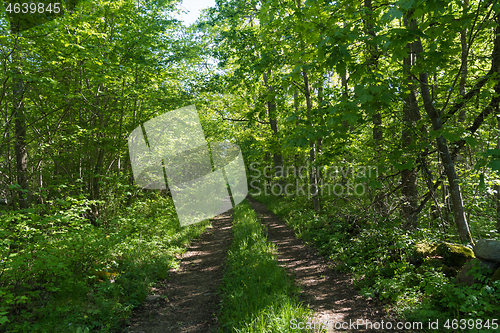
x: 411, y: 115
x: 18, y: 115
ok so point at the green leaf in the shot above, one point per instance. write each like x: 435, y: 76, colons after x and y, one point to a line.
x: 481, y: 185
x: 480, y: 163
x: 494, y: 165
x: 491, y: 152
x: 471, y: 141
x: 375, y: 184
x: 404, y: 166
x: 350, y: 117
x: 452, y: 137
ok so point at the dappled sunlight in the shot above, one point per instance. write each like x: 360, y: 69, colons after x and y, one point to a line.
x: 329, y: 293
x: 190, y: 293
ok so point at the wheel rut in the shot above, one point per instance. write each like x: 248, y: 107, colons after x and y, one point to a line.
x: 330, y: 294
x: 188, y: 301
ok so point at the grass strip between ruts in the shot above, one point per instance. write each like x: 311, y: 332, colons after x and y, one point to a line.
x: 257, y: 294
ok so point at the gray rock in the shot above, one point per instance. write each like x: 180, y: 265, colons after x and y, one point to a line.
x: 153, y: 298
x: 487, y: 268
x: 488, y: 249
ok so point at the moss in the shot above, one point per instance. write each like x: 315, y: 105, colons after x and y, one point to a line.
x: 455, y: 255
x: 450, y: 257
x: 424, y: 249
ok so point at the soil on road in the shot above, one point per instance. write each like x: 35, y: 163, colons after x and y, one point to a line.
x: 188, y: 301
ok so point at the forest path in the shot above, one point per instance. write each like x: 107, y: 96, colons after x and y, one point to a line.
x: 328, y: 293
x: 188, y: 300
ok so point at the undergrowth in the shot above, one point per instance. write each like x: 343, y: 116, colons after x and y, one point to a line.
x: 377, y: 252
x: 257, y: 294
x: 59, y: 273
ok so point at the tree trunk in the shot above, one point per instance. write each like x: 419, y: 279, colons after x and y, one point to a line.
x: 313, y: 177
x: 455, y: 192
x: 497, y: 187
x: 296, y: 104
x: 319, y: 141
x: 345, y: 94
x: 411, y: 115
x: 372, y: 62
x: 464, y: 71
x: 20, y: 150
x: 271, y: 109
x: 446, y: 159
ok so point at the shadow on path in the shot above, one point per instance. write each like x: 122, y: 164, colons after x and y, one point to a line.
x: 187, y: 302
x: 328, y: 293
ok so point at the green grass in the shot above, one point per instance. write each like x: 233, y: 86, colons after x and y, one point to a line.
x: 257, y: 296
x: 377, y: 253
x: 61, y: 274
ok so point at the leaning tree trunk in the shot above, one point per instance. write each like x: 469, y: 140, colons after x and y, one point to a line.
x: 446, y: 158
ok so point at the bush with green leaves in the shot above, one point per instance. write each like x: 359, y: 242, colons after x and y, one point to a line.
x: 60, y: 273
x: 377, y: 252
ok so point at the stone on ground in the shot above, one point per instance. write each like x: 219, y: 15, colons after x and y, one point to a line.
x: 487, y: 268
x: 488, y: 249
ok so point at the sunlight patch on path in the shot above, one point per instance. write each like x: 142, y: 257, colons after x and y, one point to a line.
x: 329, y: 293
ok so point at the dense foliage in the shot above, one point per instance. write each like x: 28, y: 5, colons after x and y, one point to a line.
x: 60, y: 273
x: 371, y: 126
x: 381, y: 258
x: 81, y: 244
